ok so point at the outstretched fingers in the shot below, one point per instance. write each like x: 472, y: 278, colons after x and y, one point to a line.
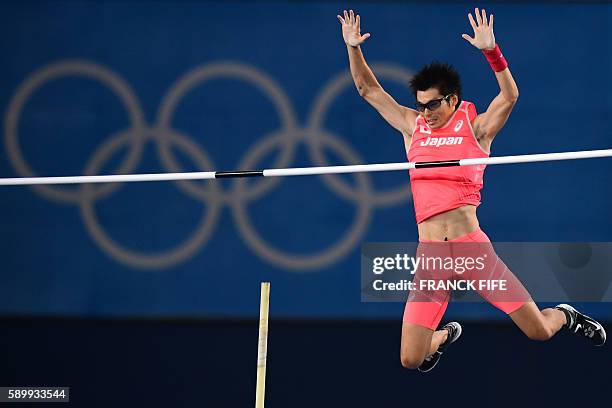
x: 350, y: 18
x: 478, y: 16
x: 472, y: 22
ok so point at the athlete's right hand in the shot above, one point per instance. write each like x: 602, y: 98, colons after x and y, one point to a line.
x: 351, y: 30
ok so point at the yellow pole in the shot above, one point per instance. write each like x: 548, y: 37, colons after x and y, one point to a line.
x: 262, y: 349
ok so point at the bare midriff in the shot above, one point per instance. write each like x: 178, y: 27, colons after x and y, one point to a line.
x: 450, y: 224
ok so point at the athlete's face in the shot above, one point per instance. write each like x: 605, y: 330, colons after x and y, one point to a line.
x: 436, y: 116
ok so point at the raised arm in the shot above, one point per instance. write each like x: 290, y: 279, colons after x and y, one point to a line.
x: 398, y: 116
x: 488, y: 124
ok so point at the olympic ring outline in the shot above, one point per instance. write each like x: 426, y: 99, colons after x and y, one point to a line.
x: 65, y: 68
x: 322, y: 258
x: 141, y: 260
x: 139, y: 133
x: 200, y: 75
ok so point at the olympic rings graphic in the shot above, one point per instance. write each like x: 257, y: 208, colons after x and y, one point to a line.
x: 285, y: 140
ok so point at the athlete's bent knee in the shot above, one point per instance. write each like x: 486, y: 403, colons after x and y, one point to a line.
x: 411, y: 361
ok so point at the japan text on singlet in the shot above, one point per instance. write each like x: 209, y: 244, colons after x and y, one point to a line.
x: 437, y: 190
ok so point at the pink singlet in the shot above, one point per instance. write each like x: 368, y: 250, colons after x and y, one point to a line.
x: 437, y: 190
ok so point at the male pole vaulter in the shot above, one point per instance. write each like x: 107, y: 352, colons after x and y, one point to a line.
x: 445, y: 199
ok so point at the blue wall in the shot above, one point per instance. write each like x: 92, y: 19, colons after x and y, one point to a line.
x: 249, y: 85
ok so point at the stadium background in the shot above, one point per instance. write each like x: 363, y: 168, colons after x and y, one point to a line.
x: 178, y: 331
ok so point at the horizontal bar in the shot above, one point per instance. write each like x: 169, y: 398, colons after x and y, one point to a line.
x: 305, y: 171
x: 532, y: 158
x: 114, y: 178
x: 358, y: 168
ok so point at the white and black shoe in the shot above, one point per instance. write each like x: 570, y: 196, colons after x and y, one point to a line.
x: 454, y: 331
x: 583, y: 325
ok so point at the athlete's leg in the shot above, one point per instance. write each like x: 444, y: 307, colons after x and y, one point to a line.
x: 515, y: 299
x: 422, y: 315
x: 517, y: 303
x: 419, y: 342
x: 542, y: 325
x: 419, y: 336
x: 538, y: 324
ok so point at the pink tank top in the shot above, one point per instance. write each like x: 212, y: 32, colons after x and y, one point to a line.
x: 437, y: 190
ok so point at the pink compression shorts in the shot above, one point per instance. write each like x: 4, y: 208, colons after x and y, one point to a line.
x: 426, y: 307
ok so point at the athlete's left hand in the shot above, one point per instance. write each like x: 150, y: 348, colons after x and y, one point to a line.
x: 483, y: 39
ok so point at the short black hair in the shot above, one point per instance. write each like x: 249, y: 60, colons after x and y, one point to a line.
x: 439, y: 75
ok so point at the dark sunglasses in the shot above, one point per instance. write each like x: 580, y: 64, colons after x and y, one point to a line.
x: 431, y: 105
